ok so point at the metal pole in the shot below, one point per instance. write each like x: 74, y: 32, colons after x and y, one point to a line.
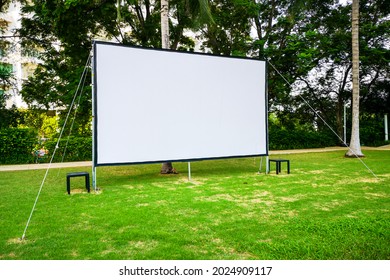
x: 386, y: 129
x: 267, y: 164
x: 93, y: 117
x: 94, y: 177
x: 189, y: 171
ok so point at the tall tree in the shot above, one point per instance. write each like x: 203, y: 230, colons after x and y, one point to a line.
x: 165, y: 24
x: 354, y: 146
x: 328, y: 86
x: 60, y: 33
x: 166, y: 167
x: 280, y: 31
x: 195, y: 9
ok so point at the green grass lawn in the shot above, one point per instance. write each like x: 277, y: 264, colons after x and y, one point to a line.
x: 329, y: 207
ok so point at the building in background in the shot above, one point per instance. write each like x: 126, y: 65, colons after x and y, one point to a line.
x: 12, y: 57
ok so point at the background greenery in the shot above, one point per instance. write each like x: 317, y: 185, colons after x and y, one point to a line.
x: 307, y: 42
x: 329, y: 207
x: 16, y: 145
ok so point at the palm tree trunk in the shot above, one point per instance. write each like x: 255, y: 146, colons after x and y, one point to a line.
x: 164, y: 24
x: 166, y: 167
x: 355, y: 149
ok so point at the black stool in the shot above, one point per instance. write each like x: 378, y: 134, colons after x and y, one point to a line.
x: 278, y: 163
x: 78, y: 174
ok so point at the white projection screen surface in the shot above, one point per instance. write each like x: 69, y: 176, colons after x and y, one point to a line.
x: 158, y: 105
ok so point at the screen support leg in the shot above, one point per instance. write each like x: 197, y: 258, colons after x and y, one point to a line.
x: 94, y: 177
x: 267, y: 165
x: 189, y: 171
x: 261, y: 165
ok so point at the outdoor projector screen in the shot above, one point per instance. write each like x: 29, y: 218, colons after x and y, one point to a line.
x: 158, y: 105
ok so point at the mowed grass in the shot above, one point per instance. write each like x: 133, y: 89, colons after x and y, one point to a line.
x: 329, y: 207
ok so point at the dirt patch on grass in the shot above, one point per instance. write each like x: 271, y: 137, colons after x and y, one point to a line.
x: 142, y: 205
x: 74, y: 254
x: 187, y: 212
x: 189, y: 183
x: 11, y: 255
x: 161, y: 202
x: 84, y: 191
x: 248, y: 201
x: 316, y: 172
x: 261, y: 193
x: 232, y: 252
x: 108, y: 251
x: 289, y: 199
x: 77, y: 191
x: 269, y: 240
x: 358, y: 180
x: 216, y: 198
x: 197, y: 250
x: 143, y: 245
x: 328, y: 206
x: 17, y: 241
x: 377, y: 195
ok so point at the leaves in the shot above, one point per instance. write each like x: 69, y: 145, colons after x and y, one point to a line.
x: 308, y: 42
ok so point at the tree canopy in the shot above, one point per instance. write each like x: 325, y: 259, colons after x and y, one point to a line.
x: 308, y: 45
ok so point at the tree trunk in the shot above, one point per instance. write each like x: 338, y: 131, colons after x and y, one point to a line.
x: 354, y: 148
x: 164, y: 24
x: 166, y: 167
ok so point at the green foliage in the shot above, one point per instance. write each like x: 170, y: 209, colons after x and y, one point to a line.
x: 292, y: 134
x: 6, y: 79
x: 309, y: 43
x: 16, y: 145
x: 5, y: 74
x: 49, y: 127
x: 70, y: 149
x: 45, y: 122
x: 372, y: 131
x: 11, y: 117
x: 328, y: 86
x: 21, y: 145
x: 75, y: 24
x: 282, y: 139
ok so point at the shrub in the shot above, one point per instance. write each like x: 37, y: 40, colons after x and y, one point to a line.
x: 372, y: 130
x: 72, y: 149
x: 16, y: 145
x: 282, y: 139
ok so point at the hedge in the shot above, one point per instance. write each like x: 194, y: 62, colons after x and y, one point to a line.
x: 80, y: 148
x: 74, y: 149
x: 16, y: 145
x: 282, y: 139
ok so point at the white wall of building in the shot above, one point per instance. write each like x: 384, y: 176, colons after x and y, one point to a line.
x: 14, y: 55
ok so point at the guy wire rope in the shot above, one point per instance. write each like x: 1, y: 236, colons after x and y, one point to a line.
x: 56, y: 147
x: 322, y: 119
x: 83, y: 78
